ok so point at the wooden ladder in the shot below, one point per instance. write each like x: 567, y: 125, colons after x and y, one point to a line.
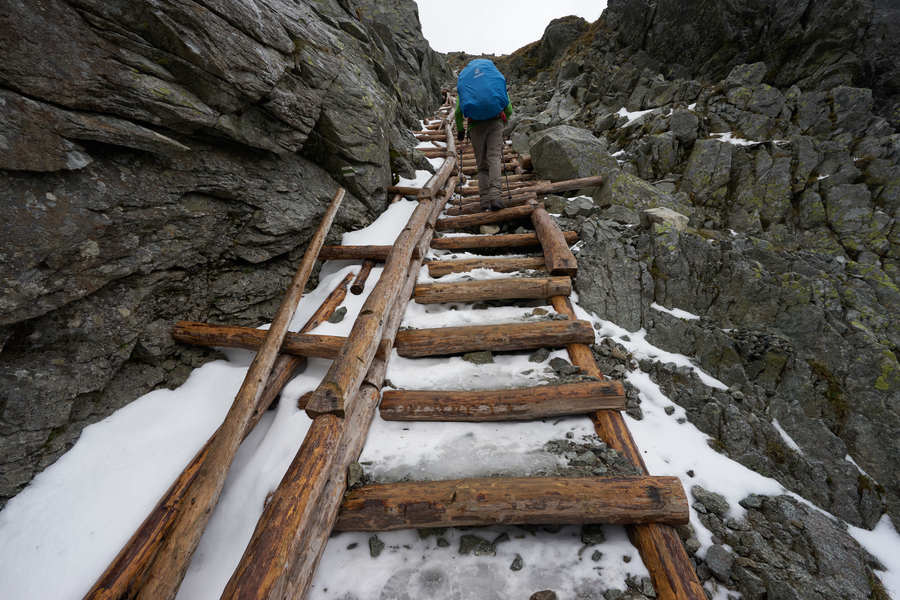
x: 310, y: 501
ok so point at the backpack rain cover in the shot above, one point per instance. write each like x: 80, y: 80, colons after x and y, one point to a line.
x: 482, y: 90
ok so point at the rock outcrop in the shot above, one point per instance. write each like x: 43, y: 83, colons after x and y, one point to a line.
x: 169, y: 161
x: 773, y: 138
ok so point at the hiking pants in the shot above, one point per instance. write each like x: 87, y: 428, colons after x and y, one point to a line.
x: 487, y: 142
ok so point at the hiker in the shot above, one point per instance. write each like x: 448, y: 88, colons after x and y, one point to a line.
x: 483, y: 100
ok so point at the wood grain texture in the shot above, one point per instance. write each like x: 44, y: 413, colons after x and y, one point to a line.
x: 166, y: 569
x: 439, y: 268
x: 418, y: 343
x: 473, y: 205
x: 142, y: 544
x: 497, y: 216
x: 230, y: 336
x: 509, y: 240
x: 359, y: 284
x: 517, y: 404
x: 285, y: 548
x: 514, y: 500
x: 671, y: 570
x: 557, y: 256
x: 376, y: 253
x: 493, y: 289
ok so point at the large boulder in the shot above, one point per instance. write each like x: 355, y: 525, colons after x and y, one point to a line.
x: 171, y: 161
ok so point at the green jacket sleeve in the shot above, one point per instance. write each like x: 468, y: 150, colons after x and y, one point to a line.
x: 459, y: 117
x: 508, y: 110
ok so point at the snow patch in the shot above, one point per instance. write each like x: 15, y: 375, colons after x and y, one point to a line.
x: 675, y: 312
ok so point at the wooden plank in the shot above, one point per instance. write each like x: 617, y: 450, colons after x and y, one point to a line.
x: 229, y: 336
x: 510, y: 165
x: 439, y: 268
x: 418, y: 343
x: 509, y: 240
x: 139, y: 548
x: 164, y: 572
x: 514, y: 500
x: 671, y: 570
x: 284, y: 550
x: 359, y: 283
x: 513, y: 185
x: 471, y: 208
x: 519, y: 404
x: 376, y: 253
x: 557, y: 256
x: 497, y: 216
x: 438, y: 180
x: 404, y: 190
x: 346, y: 373
x: 493, y: 289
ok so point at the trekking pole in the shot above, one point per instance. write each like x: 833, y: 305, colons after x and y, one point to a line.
x: 506, y: 172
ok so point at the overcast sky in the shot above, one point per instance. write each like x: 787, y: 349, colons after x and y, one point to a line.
x: 495, y: 26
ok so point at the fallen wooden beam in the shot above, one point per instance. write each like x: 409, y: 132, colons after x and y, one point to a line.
x: 418, y: 343
x: 163, y: 573
x: 493, y: 289
x: 514, y: 500
x: 520, y: 404
x: 661, y: 549
x: 569, y: 184
x: 359, y: 283
x: 439, y: 268
x: 376, y: 253
x: 139, y: 549
x: 229, y: 336
x: 509, y: 240
x: 496, y: 216
x: 438, y: 180
x: 404, y: 190
x: 281, y: 558
x: 557, y: 256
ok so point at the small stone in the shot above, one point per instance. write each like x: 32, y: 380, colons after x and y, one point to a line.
x: 472, y: 544
x: 558, y: 363
x: 592, y: 534
x: 482, y: 357
x: 355, y: 475
x: 539, y: 355
x: 539, y: 311
x: 338, y: 315
x: 664, y: 216
x: 752, y: 501
x: 692, y: 545
x: 555, y: 204
x: 352, y: 546
x: 442, y: 542
x: 690, y: 473
x: 503, y: 537
x: 569, y: 435
x: 715, y: 503
x: 489, y: 229
x: 596, y: 555
x: 613, y: 595
x: 544, y: 595
x: 517, y: 564
x: 719, y: 560
x: 427, y: 532
x: 626, y: 558
x: 669, y: 409
x: 375, y: 546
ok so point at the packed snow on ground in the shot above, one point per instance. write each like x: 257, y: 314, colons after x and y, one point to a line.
x: 60, y: 533
x: 729, y: 138
x: 421, y: 178
x: 633, y: 116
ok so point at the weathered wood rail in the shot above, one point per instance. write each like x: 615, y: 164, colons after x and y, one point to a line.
x: 310, y: 502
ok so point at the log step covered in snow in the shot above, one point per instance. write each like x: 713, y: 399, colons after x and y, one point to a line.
x: 509, y: 240
x: 502, y: 264
x: 376, y: 253
x: 418, y: 343
x: 514, y: 500
x: 493, y: 289
x: 517, y: 404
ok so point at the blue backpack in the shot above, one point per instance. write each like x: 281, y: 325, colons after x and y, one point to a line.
x: 482, y: 90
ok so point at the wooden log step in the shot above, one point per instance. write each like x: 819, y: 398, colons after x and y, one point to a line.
x: 375, y: 253
x: 439, y: 268
x: 496, y: 216
x: 520, y: 404
x: 515, y: 194
x: 508, y: 165
x: 557, y: 256
x: 514, y: 500
x: 471, y: 208
x: 493, y: 289
x: 227, y: 336
x: 513, y: 185
x: 419, y: 343
x: 509, y: 240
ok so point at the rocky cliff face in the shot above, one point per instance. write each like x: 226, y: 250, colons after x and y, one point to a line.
x: 772, y: 127
x: 162, y: 161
